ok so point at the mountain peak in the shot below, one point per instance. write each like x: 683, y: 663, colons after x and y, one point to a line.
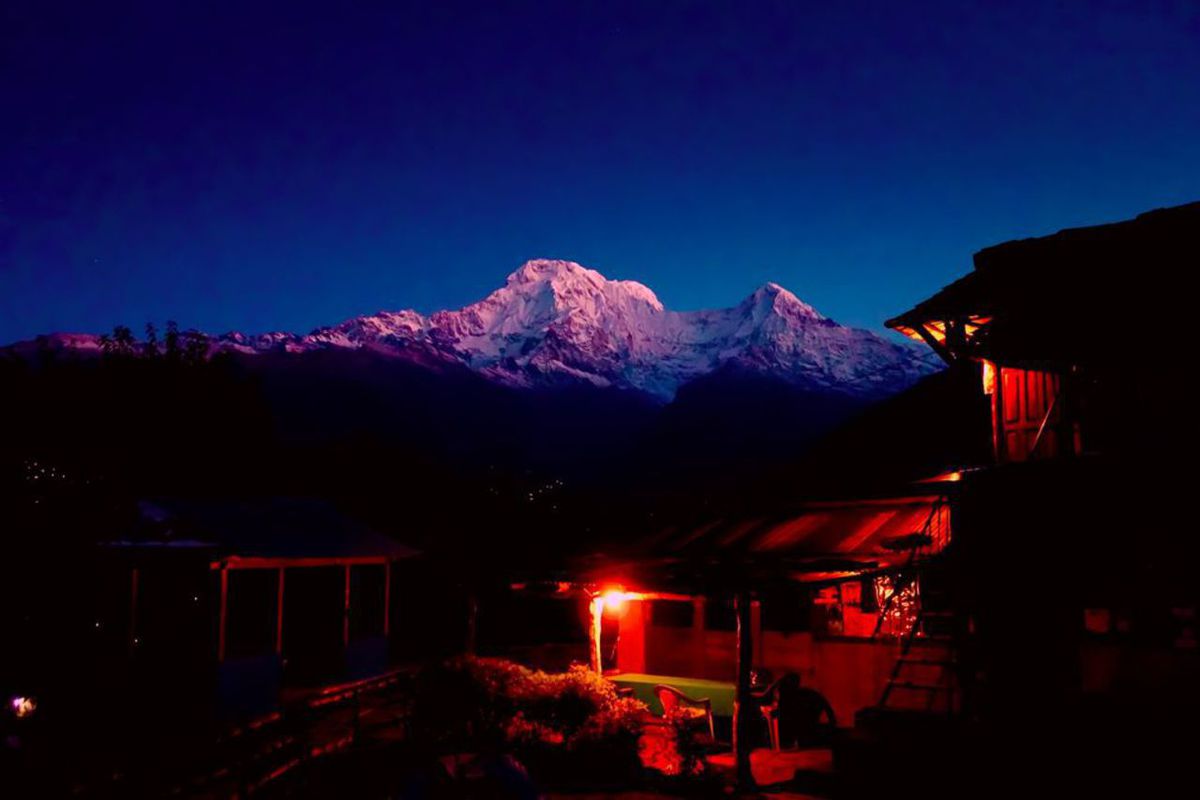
x: 556, y: 321
x: 773, y: 298
x: 553, y: 270
x: 569, y: 281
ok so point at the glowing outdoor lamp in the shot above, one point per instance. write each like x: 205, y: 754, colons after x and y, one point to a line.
x: 614, y: 600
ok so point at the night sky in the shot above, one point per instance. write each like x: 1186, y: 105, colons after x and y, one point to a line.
x: 286, y: 166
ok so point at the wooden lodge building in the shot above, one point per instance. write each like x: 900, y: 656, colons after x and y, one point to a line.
x: 1043, y: 595
x: 1080, y: 344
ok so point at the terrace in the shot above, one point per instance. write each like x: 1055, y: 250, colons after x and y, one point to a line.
x: 373, y: 739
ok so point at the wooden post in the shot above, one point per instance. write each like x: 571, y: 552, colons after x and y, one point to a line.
x: 222, y: 613
x: 279, y: 616
x: 756, y: 631
x: 133, y: 604
x: 597, y: 619
x: 387, y: 599
x: 346, y: 611
x: 743, y: 704
x: 935, y: 345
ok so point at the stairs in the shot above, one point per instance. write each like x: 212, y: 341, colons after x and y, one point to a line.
x: 925, y: 675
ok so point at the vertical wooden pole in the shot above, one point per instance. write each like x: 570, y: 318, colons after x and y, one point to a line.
x: 743, y: 705
x: 756, y: 631
x: 222, y: 613
x: 279, y: 615
x: 595, y: 629
x: 998, y: 443
x: 133, y: 604
x: 346, y: 610
x: 387, y: 599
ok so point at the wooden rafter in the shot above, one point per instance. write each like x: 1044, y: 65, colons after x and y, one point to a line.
x: 937, y: 346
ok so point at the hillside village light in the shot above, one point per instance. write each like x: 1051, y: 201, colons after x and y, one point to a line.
x: 22, y: 707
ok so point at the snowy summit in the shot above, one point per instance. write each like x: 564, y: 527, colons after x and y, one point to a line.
x: 556, y: 322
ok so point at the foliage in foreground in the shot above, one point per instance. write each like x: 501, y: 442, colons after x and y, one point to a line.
x: 567, y: 728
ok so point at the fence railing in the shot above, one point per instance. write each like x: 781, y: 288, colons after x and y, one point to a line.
x: 254, y: 755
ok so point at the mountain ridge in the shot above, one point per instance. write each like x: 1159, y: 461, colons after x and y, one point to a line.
x: 557, y: 322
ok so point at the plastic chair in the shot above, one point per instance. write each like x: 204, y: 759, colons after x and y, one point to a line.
x: 800, y: 710
x: 677, y: 704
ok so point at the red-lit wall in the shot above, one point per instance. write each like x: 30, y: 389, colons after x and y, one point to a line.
x: 851, y: 673
x: 631, y: 647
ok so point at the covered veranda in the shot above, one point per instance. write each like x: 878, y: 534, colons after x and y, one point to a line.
x: 695, y: 607
x: 273, y: 596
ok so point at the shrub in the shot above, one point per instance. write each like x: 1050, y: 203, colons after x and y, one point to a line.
x: 569, y: 727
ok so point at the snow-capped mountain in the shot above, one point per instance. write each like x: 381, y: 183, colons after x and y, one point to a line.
x: 556, y: 322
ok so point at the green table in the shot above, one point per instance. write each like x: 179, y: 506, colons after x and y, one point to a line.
x: 720, y: 692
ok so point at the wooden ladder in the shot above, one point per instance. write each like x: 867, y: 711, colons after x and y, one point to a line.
x: 902, y: 679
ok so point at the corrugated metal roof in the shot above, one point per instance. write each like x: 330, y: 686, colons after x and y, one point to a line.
x: 869, y: 532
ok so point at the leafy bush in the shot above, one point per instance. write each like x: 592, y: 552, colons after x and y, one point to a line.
x: 568, y: 727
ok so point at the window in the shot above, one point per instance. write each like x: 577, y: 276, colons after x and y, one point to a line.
x: 827, y: 611
x: 854, y: 608
x: 896, y: 601
x: 672, y: 613
x: 857, y: 620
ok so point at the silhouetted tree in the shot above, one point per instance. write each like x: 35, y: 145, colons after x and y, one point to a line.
x: 120, y: 343
x: 195, y: 347
x: 171, y: 341
x: 150, y: 345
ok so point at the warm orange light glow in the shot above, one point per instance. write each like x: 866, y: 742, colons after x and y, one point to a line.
x: 614, y: 600
x: 933, y: 328
x: 897, y: 605
x: 937, y: 329
x: 22, y: 707
x: 943, y: 477
x: 989, y: 377
x: 974, y: 324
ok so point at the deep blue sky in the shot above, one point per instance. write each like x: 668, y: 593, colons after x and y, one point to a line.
x: 285, y: 166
